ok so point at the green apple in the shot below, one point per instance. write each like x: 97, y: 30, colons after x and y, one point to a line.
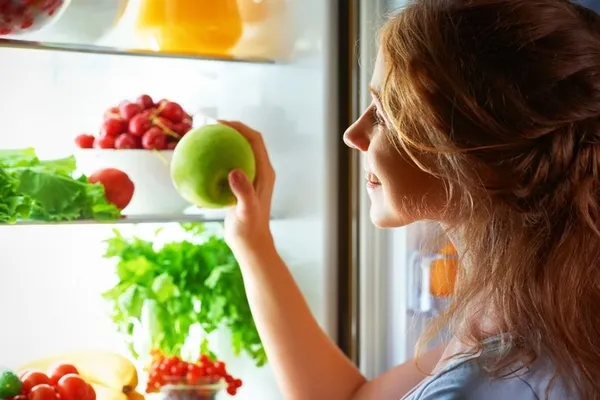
x: 202, y: 161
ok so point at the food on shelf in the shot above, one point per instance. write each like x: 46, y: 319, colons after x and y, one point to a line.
x: 203, y: 160
x: 181, y: 380
x: 25, y: 16
x: 60, y: 381
x: 118, y: 188
x: 48, y: 190
x: 443, y: 272
x: 168, y: 280
x: 205, y: 27
x: 10, y: 384
x: 112, y: 376
x: 141, y: 124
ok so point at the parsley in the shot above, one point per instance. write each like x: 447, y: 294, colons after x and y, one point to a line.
x: 169, y: 289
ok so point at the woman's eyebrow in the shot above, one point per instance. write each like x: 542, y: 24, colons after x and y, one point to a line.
x: 374, y: 92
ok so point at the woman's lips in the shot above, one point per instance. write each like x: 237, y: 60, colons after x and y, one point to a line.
x: 372, y: 180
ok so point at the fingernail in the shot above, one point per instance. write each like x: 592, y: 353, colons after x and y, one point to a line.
x: 236, y: 176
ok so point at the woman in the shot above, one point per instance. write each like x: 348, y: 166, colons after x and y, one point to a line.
x: 485, y: 117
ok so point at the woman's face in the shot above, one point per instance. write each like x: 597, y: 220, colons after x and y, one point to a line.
x: 400, y: 192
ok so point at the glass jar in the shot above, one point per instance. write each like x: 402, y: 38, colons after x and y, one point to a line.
x: 202, y: 390
x: 199, y: 27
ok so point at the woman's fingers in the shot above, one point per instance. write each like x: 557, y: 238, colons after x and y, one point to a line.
x: 264, y: 168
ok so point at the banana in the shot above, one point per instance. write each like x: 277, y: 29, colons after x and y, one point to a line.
x: 134, y: 396
x: 104, y: 393
x: 102, y: 368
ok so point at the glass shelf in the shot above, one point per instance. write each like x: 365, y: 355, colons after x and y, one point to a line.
x: 200, y: 216
x: 95, y: 49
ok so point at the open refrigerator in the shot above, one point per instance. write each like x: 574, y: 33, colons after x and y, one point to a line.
x: 369, y: 289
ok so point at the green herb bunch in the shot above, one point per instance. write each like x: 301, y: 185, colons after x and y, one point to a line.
x: 181, y: 284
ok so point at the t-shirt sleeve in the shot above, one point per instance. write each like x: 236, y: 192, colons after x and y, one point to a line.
x: 447, y: 386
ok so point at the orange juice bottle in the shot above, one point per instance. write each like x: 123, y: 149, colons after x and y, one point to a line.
x: 443, y: 271
x: 195, y: 27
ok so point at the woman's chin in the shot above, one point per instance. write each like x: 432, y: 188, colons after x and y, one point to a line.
x: 384, y: 219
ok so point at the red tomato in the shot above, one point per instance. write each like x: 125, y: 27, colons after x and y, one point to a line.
x: 43, y: 392
x: 91, y: 393
x: 57, y: 371
x: 118, y: 188
x: 72, y: 387
x: 32, y: 379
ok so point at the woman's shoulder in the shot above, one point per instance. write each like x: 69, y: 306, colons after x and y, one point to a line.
x: 466, y: 379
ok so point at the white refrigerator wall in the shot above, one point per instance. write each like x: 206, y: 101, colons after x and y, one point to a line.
x: 51, y: 276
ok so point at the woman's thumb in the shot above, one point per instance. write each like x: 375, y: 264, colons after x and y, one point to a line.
x: 242, y: 189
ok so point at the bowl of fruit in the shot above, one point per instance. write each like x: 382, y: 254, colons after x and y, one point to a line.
x: 22, y: 17
x: 172, y: 378
x: 138, y: 139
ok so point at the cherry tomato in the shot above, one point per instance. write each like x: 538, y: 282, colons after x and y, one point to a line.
x: 113, y: 127
x: 105, y: 142
x: 43, y: 392
x: 154, y: 139
x: 91, y: 393
x: 129, y: 110
x: 112, y: 112
x: 32, y: 379
x: 139, y: 124
x: 85, y: 141
x: 231, y: 390
x: 126, y: 141
x: 72, y: 387
x: 182, y: 128
x: 145, y: 101
x: 173, y: 112
x: 57, y: 371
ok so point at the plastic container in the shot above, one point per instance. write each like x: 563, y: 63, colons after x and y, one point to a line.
x: 198, y: 27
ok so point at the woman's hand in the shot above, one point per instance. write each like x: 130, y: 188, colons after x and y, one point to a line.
x: 247, y: 223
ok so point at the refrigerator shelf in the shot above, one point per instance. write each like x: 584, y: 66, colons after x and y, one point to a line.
x: 104, y: 50
x: 200, y: 216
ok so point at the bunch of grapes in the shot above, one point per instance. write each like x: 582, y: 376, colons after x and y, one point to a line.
x: 142, y: 124
x: 166, y: 372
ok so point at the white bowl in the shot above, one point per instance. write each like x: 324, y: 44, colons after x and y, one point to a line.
x: 41, y: 19
x: 84, y: 22
x: 149, y: 170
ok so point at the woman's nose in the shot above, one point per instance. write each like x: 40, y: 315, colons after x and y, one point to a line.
x: 356, y: 136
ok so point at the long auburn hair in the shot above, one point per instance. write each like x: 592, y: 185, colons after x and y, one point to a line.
x: 501, y: 100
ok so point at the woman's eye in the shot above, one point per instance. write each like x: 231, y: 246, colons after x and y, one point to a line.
x: 377, y: 120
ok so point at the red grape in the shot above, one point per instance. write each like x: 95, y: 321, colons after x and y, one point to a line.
x: 171, y: 145
x: 126, y: 141
x: 145, y: 101
x: 113, y: 127
x: 165, y: 124
x: 85, y: 141
x: 139, y: 125
x: 173, y: 112
x: 129, y: 110
x: 105, y: 142
x: 154, y: 139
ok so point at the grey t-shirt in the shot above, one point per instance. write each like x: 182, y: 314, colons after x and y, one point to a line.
x: 466, y: 379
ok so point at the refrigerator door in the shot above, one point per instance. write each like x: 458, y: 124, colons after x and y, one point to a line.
x: 375, y: 344
x: 395, y: 279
